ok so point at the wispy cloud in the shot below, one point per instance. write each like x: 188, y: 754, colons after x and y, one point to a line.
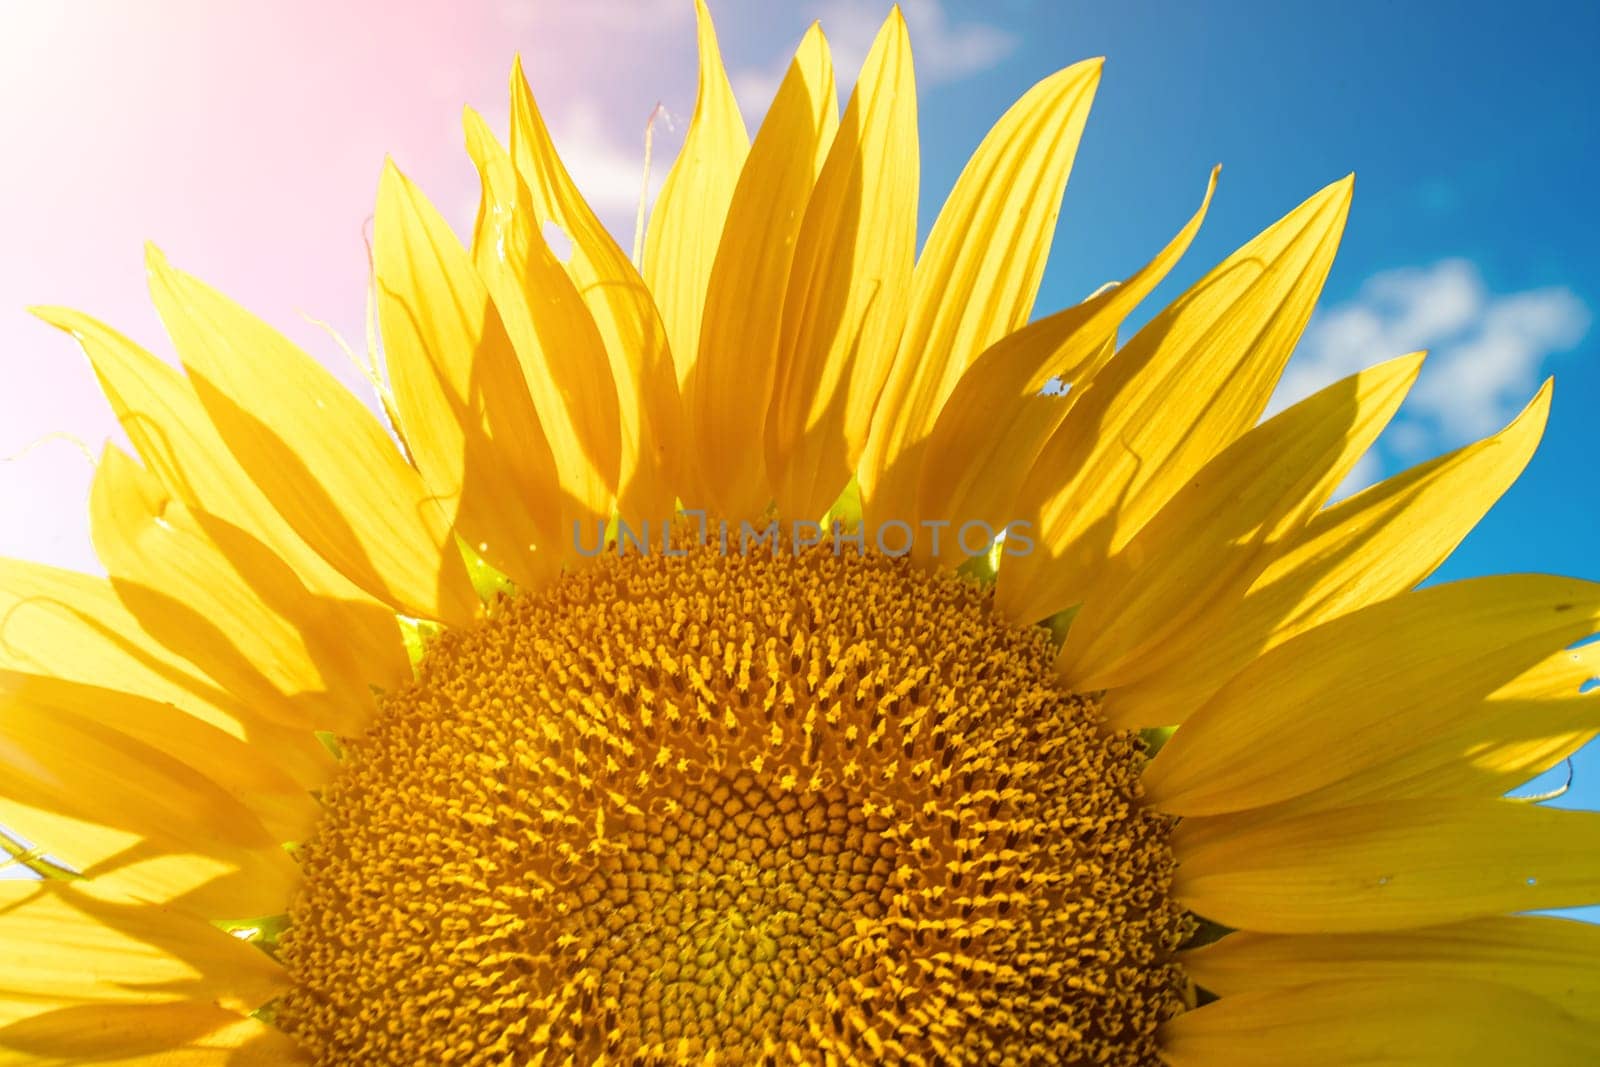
x: 608, y: 171
x: 946, y: 51
x: 633, y: 15
x: 1487, y: 351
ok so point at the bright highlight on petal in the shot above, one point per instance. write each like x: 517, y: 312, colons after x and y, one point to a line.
x: 978, y: 274
x: 549, y: 724
x: 622, y: 309
x: 687, y: 223
x: 1183, y: 389
x: 1498, y: 628
x: 462, y: 392
x: 319, y: 456
x: 849, y: 285
x: 994, y: 424
x: 725, y: 394
x: 1216, y: 534
x: 1550, y: 958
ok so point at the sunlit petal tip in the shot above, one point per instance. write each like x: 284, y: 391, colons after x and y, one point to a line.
x: 155, y: 260
x: 1541, y: 399
x: 67, y: 320
x: 813, y: 40
x: 1411, y: 363
x: 1343, y: 190
x: 706, y: 30
x: 392, y: 182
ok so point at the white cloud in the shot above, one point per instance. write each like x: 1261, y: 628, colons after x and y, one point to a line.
x: 944, y: 51
x: 1486, y: 350
x: 1476, y: 383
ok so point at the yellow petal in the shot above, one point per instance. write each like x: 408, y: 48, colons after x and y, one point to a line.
x: 284, y: 806
x: 179, y: 1033
x: 726, y: 394
x: 1350, y: 693
x: 1398, y: 1023
x: 71, y: 626
x: 172, y: 434
x: 978, y: 275
x: 89, y: 771
x: 623, y: 311
x: 1390, y: 865
x: 320, y: 457
x: 204, y: 879
x: 1157, y: 599
x: 1503, y: 744
x: 1487, y: 747
x: 995, y: 422
x: 1484, y: 748
x: 1366, y: 548
x: 283, y: 660
x: 849, y: 286
x: 461, y: 394
x: 562, y: 354
x: 64, y: 946
x: 687, y: 221
x: 1550, y: 958
x: 1183, y: 389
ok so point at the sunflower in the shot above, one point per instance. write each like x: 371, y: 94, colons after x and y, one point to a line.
x: 787, y: 652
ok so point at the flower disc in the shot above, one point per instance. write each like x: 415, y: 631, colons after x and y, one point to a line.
x: 731, y: 807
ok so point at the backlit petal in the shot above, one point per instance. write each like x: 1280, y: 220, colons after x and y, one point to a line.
x: 1154, y: 602
x: 556, y: 341
x: 687, y: 221
x: 254, y: 776
x: 623, y: 311
x: 978, y: 275
x: 1551, y: 958
x: 1380, y: 542
x: 726, y: 394
x: 1398, y: 1023
x: 283, y: 660
x: 64, y: 946
x: 1181, y: 391
x: 460, y: 391
x: 170, y: 430
x: 1353, y: 691
x: 184, y: 867
x: 74, y: 627
x: 320, y: 457
x: 1390, y: 865
x: 179, y: 1033
x: 995, y: 422
x: 849, y: 286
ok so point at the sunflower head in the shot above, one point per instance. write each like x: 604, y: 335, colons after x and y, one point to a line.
x: 724, y: 807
